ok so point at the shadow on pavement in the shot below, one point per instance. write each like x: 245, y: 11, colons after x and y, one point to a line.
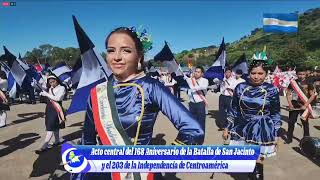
x: 73, y: 136
x: 317, y: 127
x: 158, y: 140
x: 47, y: 163
x: 315, y: 160
x: 65, y: 176
x: 50, y: 161
x: 27, y: 117
x: 239, y: 176
x: 216, y: 115
x: 284, y: 118
x: 19, y: 142
x: 282, y: 133
x: 76, y: 124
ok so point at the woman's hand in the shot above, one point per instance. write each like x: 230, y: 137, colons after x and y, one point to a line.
x: 303, y: 107
x: 225, y: 134
x: 290, y: 106
x: 43, y: 93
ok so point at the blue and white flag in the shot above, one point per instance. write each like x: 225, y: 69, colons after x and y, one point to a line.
x: 94, y: 70
x: 12, y: 85
x: 76, y: 73
x: 45, y: 67
x: 217, y: 68
x: 167, y: 58
x: 283, y: 23
x: 63, y: 72
x: 23, y: 64
x: 60, y: 69
x: 4, y: 68
x: 31, y: 72
x: 17, y: 71
x: 241, y: 64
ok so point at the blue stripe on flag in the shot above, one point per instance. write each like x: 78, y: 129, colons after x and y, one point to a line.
x: 214, y: 72
x: 80, y: 97
x: 11, y: 81
x: 59, y: 65
x: 284, y: 17
x: 65, y: 76
x: 275, y: 28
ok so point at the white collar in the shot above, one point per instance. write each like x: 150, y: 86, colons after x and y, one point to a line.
x: 137, y: 76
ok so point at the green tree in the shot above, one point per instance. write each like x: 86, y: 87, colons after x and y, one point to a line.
x: 46, y: 50
x: 71, y: 55
x: 293, y: 55
x: 34, y: 55
x: 190, y: 55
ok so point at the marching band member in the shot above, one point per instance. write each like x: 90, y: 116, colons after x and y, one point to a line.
x: 134, y: 100
x: 226, y: 89
x: 296, y: 103
x: 254, y: 115
x: 197, y: 91
x: 54, y: 115
x: 3, y: 99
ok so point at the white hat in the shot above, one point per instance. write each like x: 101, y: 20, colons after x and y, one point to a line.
x: 52, y: 77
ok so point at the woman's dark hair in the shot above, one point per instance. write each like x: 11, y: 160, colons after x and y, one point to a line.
x: 300, y: 69
x: 56, y: 78
x: 228, y: 68
x: 201, y: 68
x: 3, y: 75
x: 258, y: 63
x: 134, y: 37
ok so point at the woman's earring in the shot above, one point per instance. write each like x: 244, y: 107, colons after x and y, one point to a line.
x: 139, y: 66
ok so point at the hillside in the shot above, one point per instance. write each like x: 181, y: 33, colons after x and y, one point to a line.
x: 301, y: 49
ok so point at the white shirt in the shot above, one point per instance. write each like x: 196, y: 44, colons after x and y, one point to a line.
x: 238, y: 81
x: 3, y: 84
x: 173, y: 82
x: 56, y: 94
x: 227, y: 86
x: 200, y: 87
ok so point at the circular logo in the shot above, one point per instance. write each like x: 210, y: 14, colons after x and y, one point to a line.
x: 74, y: 161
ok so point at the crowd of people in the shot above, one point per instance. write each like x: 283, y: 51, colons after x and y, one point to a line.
x: 249, y: 104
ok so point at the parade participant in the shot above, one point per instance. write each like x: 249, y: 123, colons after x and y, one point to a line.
x: 238, y: 76
x: 254, y: 115
x: 197, y: 91
x: 170, y: 83
x: 269, y: 77
x: 296, y: 104
x: 134, y: 100
x: 311, y: 78
x: 3, y: 100
x: 154, y: 73
x: 316, y: 107
x: 55, y: 118
x: 180, y: 83
x: 3, y: 81
x: 227, y: 86
x: 43, y: 85
x: 163, y: 78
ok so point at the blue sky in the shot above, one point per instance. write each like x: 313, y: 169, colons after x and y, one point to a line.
x: 184, y: 24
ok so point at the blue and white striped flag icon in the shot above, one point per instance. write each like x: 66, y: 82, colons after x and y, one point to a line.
x: 283, y: 23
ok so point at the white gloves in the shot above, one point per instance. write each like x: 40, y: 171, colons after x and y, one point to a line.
x: 216, y: 80
x: 43, y: 93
